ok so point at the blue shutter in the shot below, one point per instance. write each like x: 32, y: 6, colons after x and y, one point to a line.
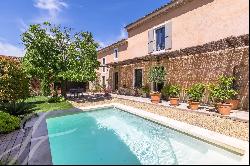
x: 168, y: 35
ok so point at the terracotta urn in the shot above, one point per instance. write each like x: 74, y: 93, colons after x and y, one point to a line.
x: 224, y: 108
x: 235, y: 103
x: 194, y: 105
x: 155, y: 97
x: 174, y: 101
x: 189, y: 103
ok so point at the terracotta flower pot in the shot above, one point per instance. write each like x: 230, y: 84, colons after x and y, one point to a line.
x: 235, y: 103
x: 174, y: 101
x: 194, y: 105
x: 224, y: 108
x: 155, y: 97
x: 189, y: 103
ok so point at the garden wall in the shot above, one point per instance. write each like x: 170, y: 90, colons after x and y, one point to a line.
x: 193, y: 65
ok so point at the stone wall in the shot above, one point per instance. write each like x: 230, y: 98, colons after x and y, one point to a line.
x: 186, y: 70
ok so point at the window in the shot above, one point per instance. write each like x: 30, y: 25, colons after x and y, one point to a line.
x: 116, y: 53
x: 160, y: 38
x: 103, y: 63
x: 138, y: 78
x: 103, y: 80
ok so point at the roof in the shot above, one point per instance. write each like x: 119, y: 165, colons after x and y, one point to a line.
x: 11, y: 57
x: 158, y: 11
x: 116, y: 44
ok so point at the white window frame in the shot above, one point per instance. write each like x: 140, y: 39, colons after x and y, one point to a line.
x: 134, y: 76
x: 154, y: 29
x: 103, y: 65
x: 116, y: 58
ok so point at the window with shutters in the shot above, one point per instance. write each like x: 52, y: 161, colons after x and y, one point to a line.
x: 160, y: 38
x: 103, y: 81
x: 116, y: 53
x: 103, y: 63
x: 138, y: 78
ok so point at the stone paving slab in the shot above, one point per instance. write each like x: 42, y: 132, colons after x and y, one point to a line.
x: 11, y: 145
x: 235, y: 114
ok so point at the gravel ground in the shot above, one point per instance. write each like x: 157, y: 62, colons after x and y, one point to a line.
x: 221, y: 125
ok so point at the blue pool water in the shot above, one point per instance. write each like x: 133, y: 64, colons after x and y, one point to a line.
x: 112, y: 136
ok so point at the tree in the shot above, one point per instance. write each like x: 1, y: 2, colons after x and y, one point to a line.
x: 157, y: 75
x: 14, y: 84
x: 53, y: 54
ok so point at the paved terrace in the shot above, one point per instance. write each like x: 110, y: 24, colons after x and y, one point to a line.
x: 235, y: 114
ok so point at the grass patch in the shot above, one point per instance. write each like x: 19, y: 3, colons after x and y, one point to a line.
x: 42, y: 105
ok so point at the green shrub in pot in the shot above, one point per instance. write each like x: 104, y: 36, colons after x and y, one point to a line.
x: 221, y: 93
x: 173, y: 91
x: 156, y: 75
x: 195, y: 94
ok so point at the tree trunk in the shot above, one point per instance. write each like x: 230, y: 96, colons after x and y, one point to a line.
x: 64, y: 89
x: 45, y: 86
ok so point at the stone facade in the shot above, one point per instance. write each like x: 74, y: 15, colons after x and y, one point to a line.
x: 194, y: 67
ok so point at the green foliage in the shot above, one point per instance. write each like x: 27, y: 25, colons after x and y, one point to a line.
x: 45, y: 87
x: 17, y: 108
x: 52, y: 53
x: 165, y: 91
x: 223, y: 90
x: 14, y: 84
x: 195, y: 93
x: 157, y: 74
x: 56, y: 99
x: 173, y: 91
x: 41, y: 104
x: 145, y: 89
x: 8, y: 123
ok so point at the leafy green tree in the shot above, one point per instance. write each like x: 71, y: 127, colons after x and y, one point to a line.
x: 157, y: 75
x: 14, y: 84
x: 54, y: 54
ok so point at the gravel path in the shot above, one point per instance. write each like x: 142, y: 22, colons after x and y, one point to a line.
x: 225, y: 126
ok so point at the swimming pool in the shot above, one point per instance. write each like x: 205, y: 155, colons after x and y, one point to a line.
x: 113, y: 136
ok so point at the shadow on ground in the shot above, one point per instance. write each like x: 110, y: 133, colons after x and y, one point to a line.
x: 90, y: 98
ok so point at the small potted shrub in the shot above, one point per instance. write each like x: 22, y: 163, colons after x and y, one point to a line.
x: 156, y: 75
x: 234, y: 100
x: 221, y: 93
x: 145, y: 90
x: 195, y: 94
x: 164, y: 92
x: 174, y: 93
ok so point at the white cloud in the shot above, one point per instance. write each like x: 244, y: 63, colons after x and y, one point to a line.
x: 53, y: 7
x: 10, y: 50
x: 22, y: 25
x: 122, y: 35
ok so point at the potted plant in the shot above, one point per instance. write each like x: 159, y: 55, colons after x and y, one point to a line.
x: 156, y: 75
x: 221, y: 93
x: 145, y: 90
x: 195, y: 94
x: 234, y: 100
x: 174, y: 93
x: 164, y: 92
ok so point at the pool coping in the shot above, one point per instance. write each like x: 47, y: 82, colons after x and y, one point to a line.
x: 233, y: 144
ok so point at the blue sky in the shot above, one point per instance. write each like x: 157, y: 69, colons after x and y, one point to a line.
x: 104, y: 18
